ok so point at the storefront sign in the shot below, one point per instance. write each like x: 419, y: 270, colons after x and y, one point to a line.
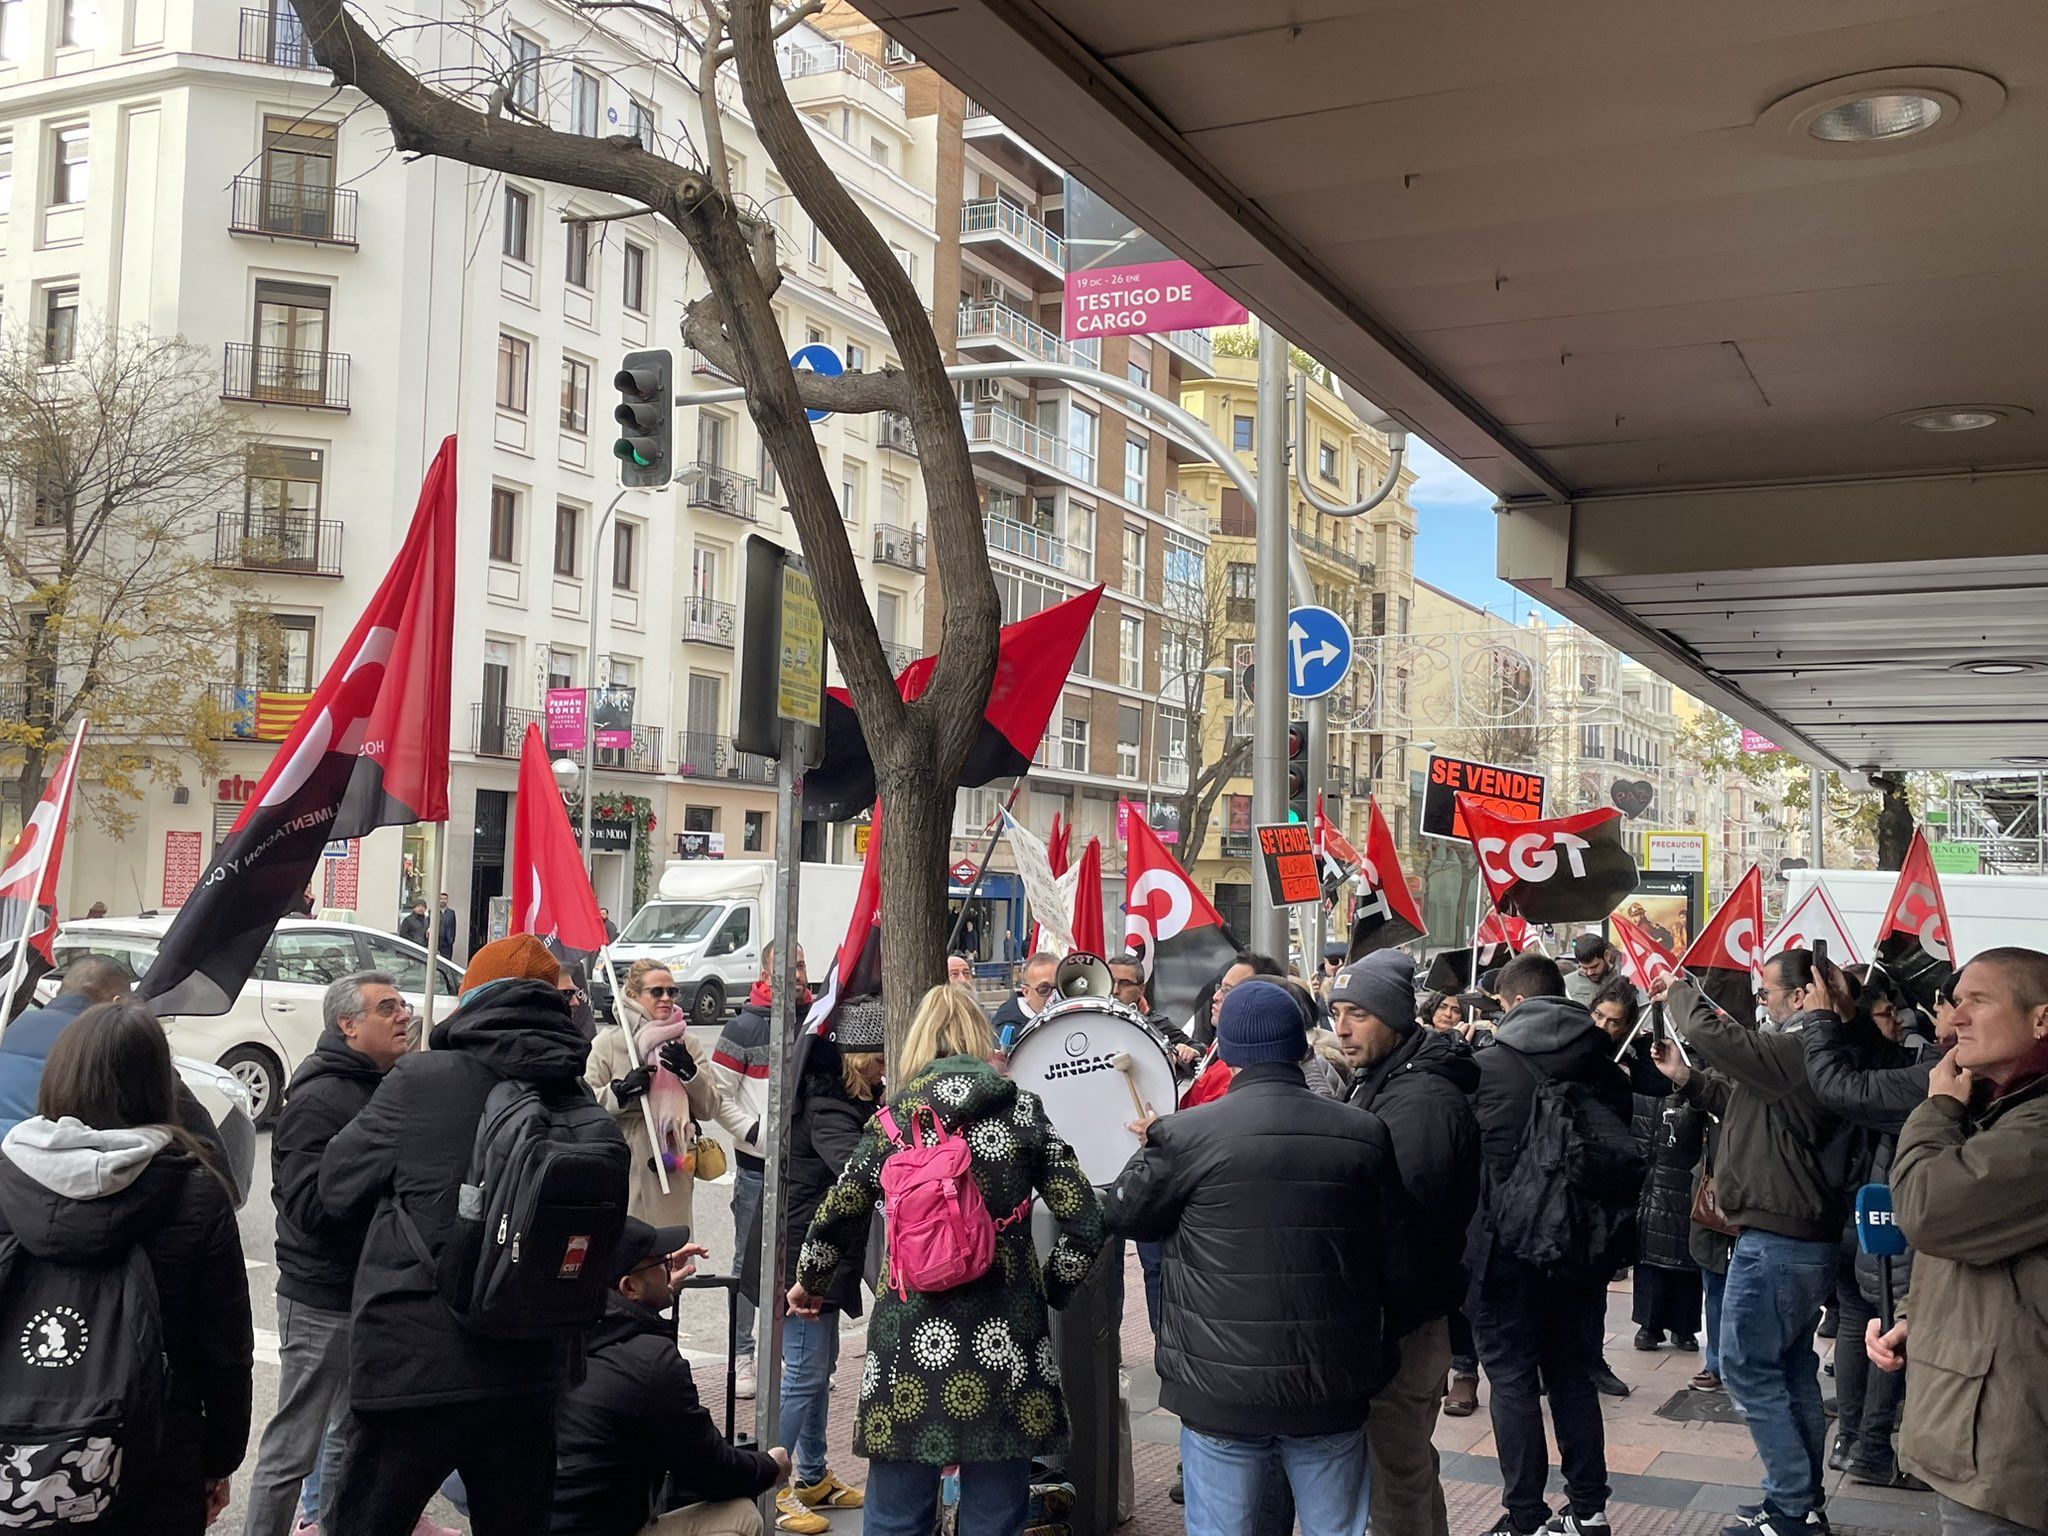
x: 1291, y: 873
x: 344, y: 874
x: 1675, y: 850
x: 235, y: 790
x: 565, y: 712
x: 181, y: 866
x: 698, y: 845
x: 605, y: 836
x: 1123, y: 282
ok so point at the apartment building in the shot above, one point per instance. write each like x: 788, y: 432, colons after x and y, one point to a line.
x: 187, y: 168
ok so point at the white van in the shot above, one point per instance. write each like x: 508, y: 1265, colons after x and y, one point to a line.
x: 1986, y: 911
x: 709, y: 918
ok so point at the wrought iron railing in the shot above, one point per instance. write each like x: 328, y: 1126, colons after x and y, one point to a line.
x: 285, y: 376
x: 289, y: 543
x: 291, y: 210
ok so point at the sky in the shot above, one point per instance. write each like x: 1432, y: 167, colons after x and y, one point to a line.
x: 1454, y: 535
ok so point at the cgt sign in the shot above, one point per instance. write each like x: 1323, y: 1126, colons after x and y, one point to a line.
x: 1509, y: 793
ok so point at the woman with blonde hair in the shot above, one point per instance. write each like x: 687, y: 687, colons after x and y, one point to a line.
x: 672, y: 1076
x: 963, y: 1375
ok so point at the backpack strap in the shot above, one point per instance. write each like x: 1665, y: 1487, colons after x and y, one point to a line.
x: 889, y: 1126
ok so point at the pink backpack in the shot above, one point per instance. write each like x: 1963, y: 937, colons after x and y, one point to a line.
x: 940, y: 1232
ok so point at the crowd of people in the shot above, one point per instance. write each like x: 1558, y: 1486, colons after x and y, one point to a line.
x: 1369, y: 1198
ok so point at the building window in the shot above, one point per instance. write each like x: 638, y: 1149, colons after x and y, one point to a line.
x: 817, y: 245
x: 71, y: 170
x: 852, y: 484
x: 281, y: 490
x: 710, y: 439
x: 504, y: 524
x: 1129, y: 722
x: 878, y: 151
x: 1133, y: 578
x: 518, y: 223
x: 1074, y: 743
x: 298, y: 177
x: 1081, y: 439
x: 6, y: 145
x: 856, y: 357
x: 79, y: 24
x: 576, y: 268
x: 1241, y: 433
x: 1137, y: 371
x: 568, y: 520
x: 275, y: 650
x: 764, y: 469
x: 1136, y: 455
x: 11, y: 24
x: 635, y: 284
x: 1326, y: 462
x: 906, y: 259
x: 1172, y: 727
x: 625, y: 557
x: 586, y: 97
x: 513, y: 357
x: 640, y: 123
x: 575, y: 395
x: 60, y: 324
x: 1130, y: 651
x: 526, y: 72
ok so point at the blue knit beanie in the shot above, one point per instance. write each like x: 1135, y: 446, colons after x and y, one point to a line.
x: 1260, y: 1022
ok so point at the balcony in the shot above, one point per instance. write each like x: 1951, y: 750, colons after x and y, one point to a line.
x: 500, y: 731
x: 283, y: 543
x: 982, y: 128
x: 717, y: 489
x: 1195, y: 346
x: 701, y: 755
x: 996, y: 226
x: 899, y: 656
x: 901, y: 547
x: 276, y: 37
x: 289, y: 210
x: 704, y: 368
x: 894, y: 432
x: 1187, y: 512
x: 257, y: 714
x: 837, y: 58
x: 1010, y: 537
x: 1323, y: 549
x: 991, y: 326
x: 706, y: 621
x: 990, y: 426
x: 285, y: 376
x: 643, y: 756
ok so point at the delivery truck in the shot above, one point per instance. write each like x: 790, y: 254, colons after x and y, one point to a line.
x: 1984, y: 911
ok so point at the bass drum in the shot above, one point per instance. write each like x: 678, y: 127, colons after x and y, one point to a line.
x: 1067, y: 1056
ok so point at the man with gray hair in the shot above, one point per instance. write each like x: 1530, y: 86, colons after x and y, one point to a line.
x: 365, y: 1026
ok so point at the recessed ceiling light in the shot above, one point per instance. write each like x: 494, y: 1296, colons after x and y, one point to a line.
x: 1973, y: 417
x: 2000, y: 668
x: 1867, y: 119
x: 2028, y: 760
x: 1880, y: 112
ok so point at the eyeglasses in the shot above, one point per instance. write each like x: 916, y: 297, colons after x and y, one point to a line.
x: 664, y: 991
x: 391, y: 1007
x: 1043, y: 989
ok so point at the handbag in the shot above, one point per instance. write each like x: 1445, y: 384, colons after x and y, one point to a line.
x: 711, y: 1159
x: 1706, y: 1208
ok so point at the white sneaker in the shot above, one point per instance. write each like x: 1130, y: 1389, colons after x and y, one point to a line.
x: 743, y: 1378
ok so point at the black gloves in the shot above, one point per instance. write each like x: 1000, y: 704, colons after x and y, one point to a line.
x: 676, y: 1056
x: 632, y: 1086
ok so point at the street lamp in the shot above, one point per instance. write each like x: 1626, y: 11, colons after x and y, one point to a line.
x: 1158, y: 703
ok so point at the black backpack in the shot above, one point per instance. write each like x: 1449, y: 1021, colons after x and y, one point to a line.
x: 538, y: 1216
x: 81, y: 1384
x: 1568, y: 1206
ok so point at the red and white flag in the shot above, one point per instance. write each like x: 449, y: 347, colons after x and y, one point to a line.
x: 1386, y: 915
x: 1915, y: 945
x: 1727, y: 957
x: 1180, y: 934
x: 1814, y: 916
x: 370, y: 750
x: 1333, y: 850
x: 856, y: 968
x: 1499, y: 927
x: 551, y: 894
x: 1646, y: 961
x: 28, y: 882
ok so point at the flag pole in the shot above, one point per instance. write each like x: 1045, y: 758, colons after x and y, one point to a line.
x: 17, y: 967
x: 981, y: 873
x: 1478, y: 916
x: 604, y: 958
x: 434, y: 934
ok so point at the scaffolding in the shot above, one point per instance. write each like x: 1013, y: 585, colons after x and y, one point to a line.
x: 2006, y: 816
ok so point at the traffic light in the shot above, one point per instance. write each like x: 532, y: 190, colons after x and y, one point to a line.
x: 646, y: 414
x: 1297, y: 772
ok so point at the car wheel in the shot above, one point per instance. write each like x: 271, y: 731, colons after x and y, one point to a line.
x: 707, y: 1007
x: 259, y: 1072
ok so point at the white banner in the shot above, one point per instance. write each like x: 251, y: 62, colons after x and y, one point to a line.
x: 1815, y: 917
x: 1051, y: 896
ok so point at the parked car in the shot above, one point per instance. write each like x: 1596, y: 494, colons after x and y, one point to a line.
x: 272, y: 1026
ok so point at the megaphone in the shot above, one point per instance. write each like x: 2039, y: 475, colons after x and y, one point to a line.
x: 1083, y: 975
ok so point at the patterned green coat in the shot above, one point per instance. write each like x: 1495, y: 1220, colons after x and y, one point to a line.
x: 967, y: 1374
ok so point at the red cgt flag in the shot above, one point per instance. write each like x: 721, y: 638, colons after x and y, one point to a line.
x: 1646, y: 961
x: 369, y: 751
x: 1386, y: 914
x: 1182, y: 937
x: 1727, y: 956
x: 1914, y: 943
x: 551, y: 895
x: 1566, y: 870
x: 28, y: 884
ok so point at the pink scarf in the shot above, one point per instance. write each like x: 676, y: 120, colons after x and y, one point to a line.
x: 666, y: 1095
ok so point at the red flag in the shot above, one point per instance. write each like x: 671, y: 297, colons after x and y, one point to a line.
x: 856, y: 969
x: 1089, y: 938
x: 551, y: 894
x: 1646, y: 961
x: 1332, y: 847
x: 1056, y: 846
x: 1182, y: 937
x: 370, y: 750
x: 1914, y: 942
x: 1033, y: 658
x: 28, y: 882
x: 1386, y: 914
x: 1498, y: 927
x: 1726, y: 957
x: 1566, y: 870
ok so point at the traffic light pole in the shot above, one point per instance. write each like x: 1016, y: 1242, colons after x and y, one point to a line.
x: 1274, y: 542
x: 590, y: 689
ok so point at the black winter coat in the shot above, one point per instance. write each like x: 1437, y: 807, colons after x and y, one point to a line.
x: 1278, y: 1212
x: 411, y: 1144
x: 1558, y: 1038
x: 1422, y: 1094
x: 1672, y: 1135
x: 316, y: 1253
x: 634, y: 1423
x: 827, y: 1128
x: 180, y: 1213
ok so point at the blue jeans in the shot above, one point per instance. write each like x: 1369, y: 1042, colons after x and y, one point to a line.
x: 1327, y: 1474
x: 746, y: 1209
x: 1768, y: 1313
x: 810, y: 1349
x: 1714, y: 1285
x: 903, y: 1498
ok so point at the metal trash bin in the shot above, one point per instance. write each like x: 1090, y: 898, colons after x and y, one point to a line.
x: 1087, y: 1342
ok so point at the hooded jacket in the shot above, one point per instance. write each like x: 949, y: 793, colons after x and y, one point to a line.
x: 1557, y: 1038
x: 1422, y: 1093
x: 316, y: 1253
x: 23, y: 1050
x: 73, y: 1194
x: 827, y: 1128
x: 411, y: 1145
x: 633, y: 1423
x: 1672, y: 1135
x: 739, y: 1072
x: 1874, y: 1084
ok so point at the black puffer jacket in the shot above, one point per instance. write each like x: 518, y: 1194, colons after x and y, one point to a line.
x: 316, y: 1253
x: 1276, y: 1208
x: 1422, y: 1094
x: 73, y: 1194
x: 827, y: 1128
x: 412, y: 1143
x: 1672, y: 1135
x: 1557, y: 1038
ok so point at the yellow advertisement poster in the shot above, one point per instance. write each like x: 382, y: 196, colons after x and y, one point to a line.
x: 800, y: 689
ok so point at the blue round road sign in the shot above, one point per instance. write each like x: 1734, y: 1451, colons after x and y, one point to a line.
x: 1318, y: 652
x: 817, y: 358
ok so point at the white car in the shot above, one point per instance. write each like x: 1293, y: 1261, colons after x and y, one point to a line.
x: 274, y: 1023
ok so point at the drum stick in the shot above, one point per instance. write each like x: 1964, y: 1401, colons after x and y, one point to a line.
x: 1124, y: 1064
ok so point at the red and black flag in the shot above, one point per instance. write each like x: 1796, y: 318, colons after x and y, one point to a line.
x: 1386, y: 914
x: 1335, y: 856
x: 1914, y: 944
x: 1727, y: 957
x: 370, y: 750
x: 856, y: 968
x: 1567, y: 870
x: 1500, y: 939
x: 1181, y: 936
x: 551, y: 895
x: 28, y: 885
x: 1646, y: 961
x: 1033, y: 658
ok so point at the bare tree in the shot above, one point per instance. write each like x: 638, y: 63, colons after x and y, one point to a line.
x: 1196, y: 637
x: 918, y: 748
x: 114, y: 466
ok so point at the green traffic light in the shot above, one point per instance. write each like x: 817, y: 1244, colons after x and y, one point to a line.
x: 624, y: 448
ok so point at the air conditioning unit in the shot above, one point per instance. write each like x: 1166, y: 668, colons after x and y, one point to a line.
x: 989, y: 290
x: 990, y: 392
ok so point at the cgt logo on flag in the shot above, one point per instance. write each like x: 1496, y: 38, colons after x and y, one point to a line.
x: 1569, y: 869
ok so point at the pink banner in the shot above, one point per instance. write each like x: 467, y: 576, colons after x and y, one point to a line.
x: 1756, y: 741
x: 565, y: 712
x: 1144, y: 299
